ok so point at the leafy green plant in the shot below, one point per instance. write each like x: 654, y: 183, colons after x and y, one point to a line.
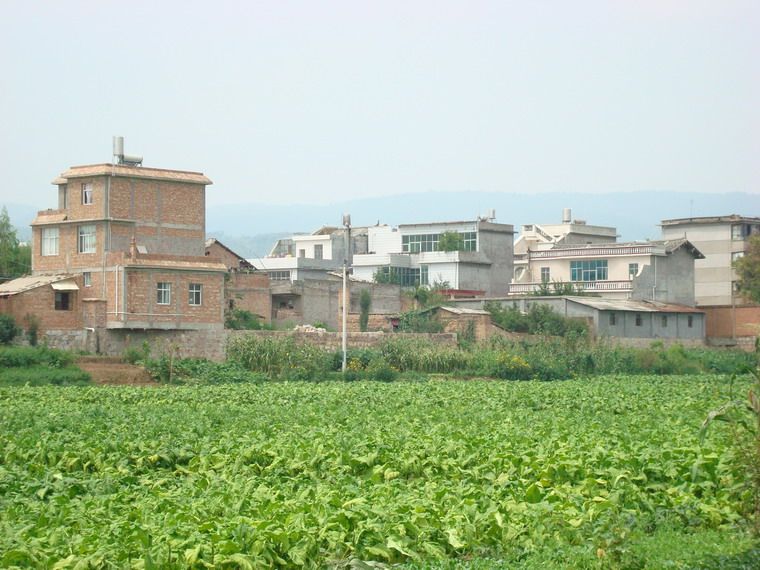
x: 8, y: 329
x: 240, y: 319
x: 32, y: 328
x: 450, y: 241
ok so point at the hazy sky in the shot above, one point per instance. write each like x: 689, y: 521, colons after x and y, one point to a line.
x: 320, y: 101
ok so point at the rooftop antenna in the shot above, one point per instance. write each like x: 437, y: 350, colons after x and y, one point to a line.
x: 120, y: 158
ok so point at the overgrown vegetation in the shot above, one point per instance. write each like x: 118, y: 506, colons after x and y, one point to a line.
x: 540, y: 319
x: 8, y: 329
x: 536, y: 358
x: 240, y: 319
x: 450, y: 241
x: 748, y: 270
x: 37, y: 366
x: 365, y: 301
x: 15, y: 259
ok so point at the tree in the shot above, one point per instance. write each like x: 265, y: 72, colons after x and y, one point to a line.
x: 365, y: 300
x: 451, y: 241
x: 748, y: 270
x: 15, y: 259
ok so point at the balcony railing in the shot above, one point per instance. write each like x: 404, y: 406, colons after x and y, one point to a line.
x: 586, y: 286
x: 592, y: 251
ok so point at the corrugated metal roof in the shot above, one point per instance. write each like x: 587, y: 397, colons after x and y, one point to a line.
x: 602, y: 304
x: 132, y: 172
x: 21, y: 284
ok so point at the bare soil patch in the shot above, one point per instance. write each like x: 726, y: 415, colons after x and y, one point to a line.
x: 113, y: 371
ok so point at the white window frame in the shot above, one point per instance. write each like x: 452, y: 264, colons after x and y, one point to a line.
x: 50, y: 240
x: 87, y: 194
x: 86, y: 239
x: 87, y: 279
x: 546, y: 274
x: 193, y: 290
x: 163, y: 293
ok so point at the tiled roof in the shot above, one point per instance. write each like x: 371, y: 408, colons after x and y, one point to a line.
x: 29, y: 282
x: 132, y: 172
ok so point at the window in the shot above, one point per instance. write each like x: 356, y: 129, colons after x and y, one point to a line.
x: 87, y: 239
x: 690, y: 321
x: 613, y: 319
x: 87, y: 279
x: 318, y: 249
x: 62, y: 300
x: 404, y: 276
x: 87, y: 193
x: 638, y: 320
x: 633, y: 270
x: 424, y: 275
x: 664, y: 321
x: 49, y: 241
x: 301, y: 253
x: 470, y: 241
x: 279, y: 275
x: 591, y: 270
x: 163, y: 293
x: 736, y: 256
x: 545, y: 274
x: 195, y: 294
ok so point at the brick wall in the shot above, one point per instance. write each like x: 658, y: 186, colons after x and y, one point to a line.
x: 40, y: 302
x: 142, y: 300
x: 211, y: 343
x: 720, y: 321
x: 249, y: 292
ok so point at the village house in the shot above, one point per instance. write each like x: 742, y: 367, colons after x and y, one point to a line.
x: 731, y: 319
x: 409, y: 256
x: 124, y: 250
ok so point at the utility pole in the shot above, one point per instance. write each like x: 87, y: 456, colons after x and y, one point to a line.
x: 346, y: 260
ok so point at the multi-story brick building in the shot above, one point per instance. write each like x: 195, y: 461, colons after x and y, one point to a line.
x: 128, y: 245
x: 731, y: 318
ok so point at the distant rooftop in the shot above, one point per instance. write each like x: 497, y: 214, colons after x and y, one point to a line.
x: 732, y: 218
x: 108, y: 169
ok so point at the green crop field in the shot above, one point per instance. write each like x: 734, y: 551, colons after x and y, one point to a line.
x: 606, y: 472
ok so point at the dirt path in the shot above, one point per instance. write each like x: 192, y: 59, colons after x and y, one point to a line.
x: 113, y: 371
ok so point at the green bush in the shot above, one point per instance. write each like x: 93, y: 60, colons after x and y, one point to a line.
x: 200, y: 371
x: 419, y: 322
x: 32, y: 328
x: 381, y: 371
x: 26, y: 356
x: 240, y: 319
x: 8, y: 329
x: 42, y: 375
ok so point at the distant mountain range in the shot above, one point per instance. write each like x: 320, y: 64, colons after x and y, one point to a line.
x: 251, y: 229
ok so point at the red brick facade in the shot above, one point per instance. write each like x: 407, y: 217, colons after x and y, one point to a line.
x: 133, y: 240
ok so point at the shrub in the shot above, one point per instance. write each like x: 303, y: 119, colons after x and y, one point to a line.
x: 24, y: 357
x: 240, y: 319
x: 32, y: 328
x: 365, y: 300
x: 8, y: 329
x: 43, y: 375
x: 419, y: 322
x: 510, y: 367
x: 381, y: 371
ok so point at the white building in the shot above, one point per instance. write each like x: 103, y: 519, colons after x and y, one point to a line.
x: 535, y: 237
x: 653, y: 270
x: 409, y: 255
x: 310, y: 256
